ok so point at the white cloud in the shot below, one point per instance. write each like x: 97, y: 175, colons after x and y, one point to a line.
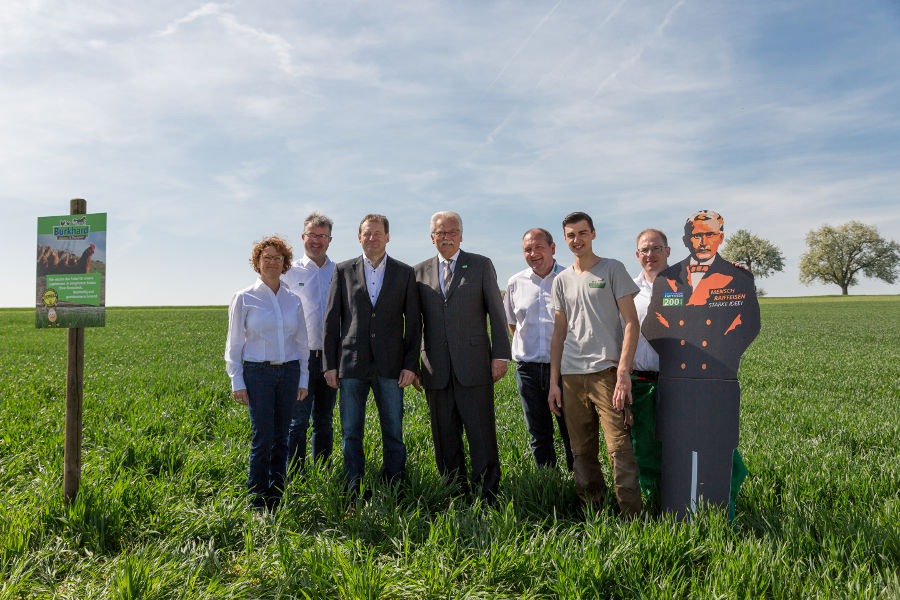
x: 208, y: 125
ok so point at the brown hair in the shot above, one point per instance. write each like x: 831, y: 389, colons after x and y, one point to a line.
x: 279, y: 244
x: 374, y: 218
x: 578, y: 216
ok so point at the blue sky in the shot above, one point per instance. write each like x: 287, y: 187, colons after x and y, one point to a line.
x: 201, y: 127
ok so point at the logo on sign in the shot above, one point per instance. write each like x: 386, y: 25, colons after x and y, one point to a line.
x: 673, y: 299
x: 50, y: 297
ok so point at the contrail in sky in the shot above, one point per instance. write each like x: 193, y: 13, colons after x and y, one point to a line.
x: 609, y: 17
x: 525, y: 43
x: 627, y: 63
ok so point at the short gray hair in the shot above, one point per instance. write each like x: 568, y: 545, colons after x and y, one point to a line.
x: 318, y: 220
x: 446, y: 215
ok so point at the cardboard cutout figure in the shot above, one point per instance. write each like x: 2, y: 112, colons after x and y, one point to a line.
x: 703, y: 315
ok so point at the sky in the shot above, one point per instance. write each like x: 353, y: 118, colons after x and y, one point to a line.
x: 201, y: 127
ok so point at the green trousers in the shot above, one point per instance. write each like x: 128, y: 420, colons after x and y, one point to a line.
x: 648, y: 451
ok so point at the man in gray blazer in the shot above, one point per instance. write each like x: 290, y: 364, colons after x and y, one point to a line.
x: 372, y: 337
x: 460, y: 362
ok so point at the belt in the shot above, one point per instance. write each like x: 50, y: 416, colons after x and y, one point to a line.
x: 315, y: 354
x: 270, y: 363
x: 651, y: 375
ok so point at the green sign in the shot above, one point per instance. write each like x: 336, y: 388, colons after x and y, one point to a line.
x: 71, y: 271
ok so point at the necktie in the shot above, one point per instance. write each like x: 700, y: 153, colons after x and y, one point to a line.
x: 698, y: 268
x: 448, y: 275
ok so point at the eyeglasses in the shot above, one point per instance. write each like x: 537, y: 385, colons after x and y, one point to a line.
x: 651, y: 250
x: 317, y: 236
x: 279, y: 258
x: 451, y: 233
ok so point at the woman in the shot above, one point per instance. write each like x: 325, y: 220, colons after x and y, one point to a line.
x: 266, y: 357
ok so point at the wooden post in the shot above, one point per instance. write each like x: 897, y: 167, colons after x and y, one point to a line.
x: 74, y: 394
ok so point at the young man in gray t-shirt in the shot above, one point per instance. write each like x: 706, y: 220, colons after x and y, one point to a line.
x: 589, y: 351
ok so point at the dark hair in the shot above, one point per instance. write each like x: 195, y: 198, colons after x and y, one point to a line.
x: 375, y: 219
x: 279, y: 244
x: 578, y: 216
x: 665, y: 240
x: 541, y: 230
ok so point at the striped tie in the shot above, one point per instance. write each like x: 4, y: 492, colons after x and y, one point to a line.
x: 448, y: 275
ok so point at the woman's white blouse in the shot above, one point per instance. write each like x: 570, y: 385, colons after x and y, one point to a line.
x: 265, y: 326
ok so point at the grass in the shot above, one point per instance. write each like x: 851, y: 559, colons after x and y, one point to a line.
x: 162, y: 511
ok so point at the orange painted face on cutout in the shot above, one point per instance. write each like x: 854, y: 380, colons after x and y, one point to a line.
x: 705, y: 239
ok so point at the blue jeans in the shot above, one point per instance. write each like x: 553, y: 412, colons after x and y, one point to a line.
x: 389, y: 401
x: 272, y: 393
x: 533, y: 382
x: 319, y: 403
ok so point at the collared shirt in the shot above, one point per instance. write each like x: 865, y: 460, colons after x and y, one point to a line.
x: 441, y: 267
x: 374, y: 276
x: 265, y: 326
x: 645, y: 357
x: 311, y: 282
x: 528, y: 305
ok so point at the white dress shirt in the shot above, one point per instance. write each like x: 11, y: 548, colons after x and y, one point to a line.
x: 645, y: 357
x: 528, y: 304
x: 311, y: 282
x: 442, y: 266
x: 265, y: 326
x: 374, y: 277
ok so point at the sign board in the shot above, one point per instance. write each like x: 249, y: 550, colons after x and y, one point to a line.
x: 71, y: 271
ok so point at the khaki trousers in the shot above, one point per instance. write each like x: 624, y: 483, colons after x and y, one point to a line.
x: 587, y: 406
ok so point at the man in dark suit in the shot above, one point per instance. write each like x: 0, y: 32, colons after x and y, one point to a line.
x: 372, y: 337
x: 703, y: 314
x: 460, y: 362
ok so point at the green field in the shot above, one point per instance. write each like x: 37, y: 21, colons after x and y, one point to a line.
x: 162, y: 510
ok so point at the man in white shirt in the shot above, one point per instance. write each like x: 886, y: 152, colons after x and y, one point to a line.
x: 310, y: 278
x: 529, y: 314
x: 652, y: 253
x: 372, y: 337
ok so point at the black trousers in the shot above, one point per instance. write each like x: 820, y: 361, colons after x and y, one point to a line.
x: 457, y: 407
